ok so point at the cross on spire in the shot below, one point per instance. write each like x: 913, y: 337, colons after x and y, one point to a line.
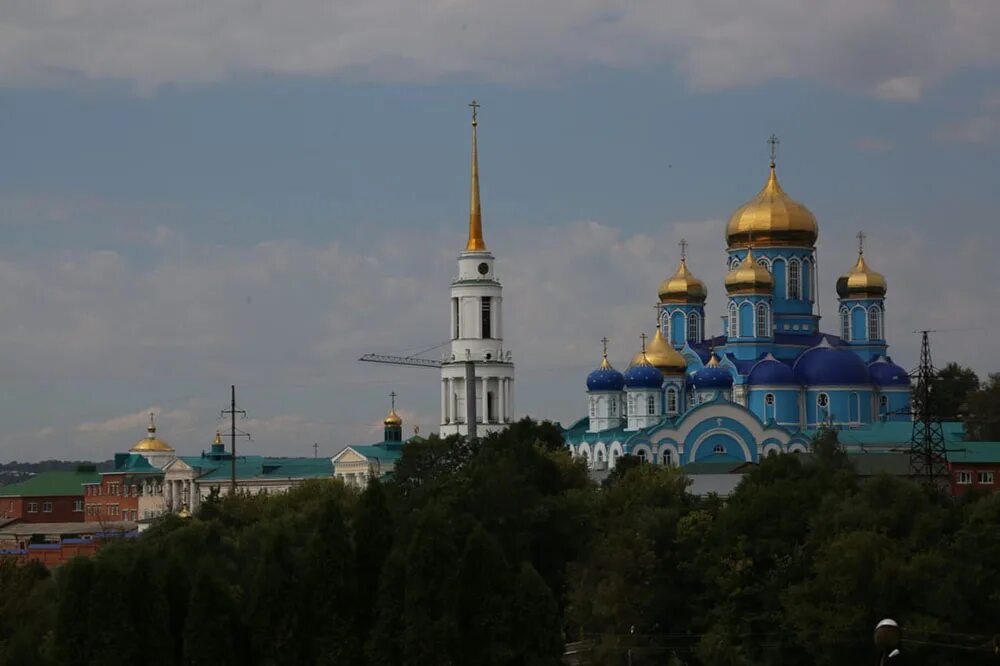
x: 604, y: 342
x: 773, y: 142
x: 643, y: 337
x: 392, y: 396
x: 684, y: 249
x: 474, y: 105
x: 861, y: 242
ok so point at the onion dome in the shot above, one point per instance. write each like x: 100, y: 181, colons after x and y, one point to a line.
x: 605, y: 378
x: 861, y: 282
x: 151, y: 443
x: 825, y: 364
x: 662, y: 356
x: 643, y: 375
x: 772, y: 218
x: 769, y: 371
x: 392, y: 419
x: 884, y: 372
x: 712, y: 376
x: 749, y: 277
x: 682, y: 287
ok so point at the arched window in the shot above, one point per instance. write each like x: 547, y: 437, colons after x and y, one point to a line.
x: 808, y: 280
x: 845, y: 325
x: 764, y: 263
x: 614, y: 406
x: 762, y: 327
x: 822, y: 407
x: 666, y: 456
x: 718, y: 449
x: 855, y: 408
x: 883, y: 406
x: 586, y: 458
x: 665, y: 324
x: 631, y: 405
x: 641, y: 455
x: 694, y: 327
x: 733, y: 317
x: 671, y: 400
x: 593, y: 408
x: 794, y: 279
x: 769, y: 406
x: 600, y: 456
x: 734, y: 262
x: 650, y: 405
x: 874, y: 324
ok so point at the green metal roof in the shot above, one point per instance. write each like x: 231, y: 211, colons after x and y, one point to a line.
x: 51, y: 484
x: 379, y: 451
x: 890, y: 432
x: 259, y: 467
x: 975, y: 452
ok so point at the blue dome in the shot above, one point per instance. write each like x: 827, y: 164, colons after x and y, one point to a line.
x: 605, y: 378
x: 769, y: 371
x: 643, y: 375
x: 711, y: 377
x: 886, y: 373
x: 825, y: 364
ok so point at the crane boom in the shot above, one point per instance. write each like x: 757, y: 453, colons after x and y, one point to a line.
x: 401, y: 360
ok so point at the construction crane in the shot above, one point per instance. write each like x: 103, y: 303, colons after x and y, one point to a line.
x: 401, y: 360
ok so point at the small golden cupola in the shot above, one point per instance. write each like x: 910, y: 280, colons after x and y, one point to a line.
x: 861, y: 281
x: 151, y: 443
x: 682, y: 286
x: 749, y: 277
x: 393, y: 424
x: 662, y: 356
x: 772, y: 218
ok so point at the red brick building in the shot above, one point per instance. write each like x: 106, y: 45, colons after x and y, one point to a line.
x: 49, y: 497
x: 974, y: 465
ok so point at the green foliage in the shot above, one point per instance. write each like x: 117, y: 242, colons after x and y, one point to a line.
x: 982, y: 412
x: 498, y: 553
x: 951, y: 388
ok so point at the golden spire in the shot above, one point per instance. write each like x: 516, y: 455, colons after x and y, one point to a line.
x: 604, y: 362
x: 151, y: 428
x: 713, y: 361
x: 476, y: 242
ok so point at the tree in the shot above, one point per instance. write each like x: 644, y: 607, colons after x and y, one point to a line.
x: 211, y: 628
x: 482, y: 598
x: 982, y: 413
x: 951, y: 388
x: 373, y: 537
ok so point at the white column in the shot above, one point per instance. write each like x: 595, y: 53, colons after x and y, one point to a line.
x: 510, y: 397
x: 502, y: 400
x: 482, y: 400
x: 168, y: 490
x: 444, y: 401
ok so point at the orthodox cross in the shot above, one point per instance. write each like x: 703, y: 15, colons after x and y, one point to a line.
x: 474, y: 105
x: 643, y: 336
x: 604, y: 341
x: 392, y: 396
x: 684, y: 249
x: 773, y: 142
x: 315, y: 449
x: 861, y: 242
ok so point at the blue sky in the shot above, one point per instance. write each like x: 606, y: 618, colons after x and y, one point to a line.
x: 196, y: 196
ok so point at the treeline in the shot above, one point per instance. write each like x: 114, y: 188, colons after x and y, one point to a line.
x: 15, y: 471
x: 501, y: 553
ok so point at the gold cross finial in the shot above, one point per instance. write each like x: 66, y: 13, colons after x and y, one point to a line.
x: 861, y: 242
x: 604, y: 341
x: 684, y: 249
x: 392, y: 396
x: 474, y: 105
x: 643, y: 336
x: 152, y: 423
x: 773, y: 142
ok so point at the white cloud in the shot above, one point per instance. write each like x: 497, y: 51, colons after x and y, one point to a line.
x: 893, y: 47
x: 138, y: 421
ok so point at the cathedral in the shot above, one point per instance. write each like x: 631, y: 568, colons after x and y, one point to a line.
x: 772, y: 379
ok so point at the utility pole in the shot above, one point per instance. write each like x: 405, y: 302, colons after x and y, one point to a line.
x: 232, y: 412
x: 928, y: 451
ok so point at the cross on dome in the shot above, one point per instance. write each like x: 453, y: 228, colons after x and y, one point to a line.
x: 773, y: 142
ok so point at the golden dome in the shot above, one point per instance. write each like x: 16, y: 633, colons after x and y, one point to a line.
x: 861, y: 282
x: 664, y: 357
x: 682, y: 287
x: 392, y: 419
x: 772, y: 218
x: 151, y: 442
x: 749, y: 277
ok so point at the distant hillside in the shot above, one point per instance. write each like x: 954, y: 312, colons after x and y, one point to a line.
x: 14, y: 471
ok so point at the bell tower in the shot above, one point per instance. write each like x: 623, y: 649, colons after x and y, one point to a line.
x: 477, y: 368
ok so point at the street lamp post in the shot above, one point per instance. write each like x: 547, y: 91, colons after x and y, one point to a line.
x: 887, y: 637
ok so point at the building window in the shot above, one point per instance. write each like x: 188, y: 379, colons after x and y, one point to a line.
x: 964, y: 478
x: 986, y: 478
x: 593, y: 408
x: 694, y: 327
x: 666, y: 457
x: 794, y: 279
x: 822, y: 407
x: 671, y: 401
x: 762, y: 328
x: 454, y: 319
x: 651, y: 405
x: 874, y: 324
x: 641, y: 455
x: 613, y: 404
x: 845, y: 325
x: 718, y: 449
x: 764, y: 263
x: 32, y: 507
x: 46, y: 507
x: 487, y: 305
x: 769, y: 400
x: 733, y: 315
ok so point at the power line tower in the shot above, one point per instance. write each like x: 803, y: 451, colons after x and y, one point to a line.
x: 928, y: 451
x: 233, y: 434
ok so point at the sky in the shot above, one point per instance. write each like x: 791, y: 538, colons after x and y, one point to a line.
x: 249, y: 192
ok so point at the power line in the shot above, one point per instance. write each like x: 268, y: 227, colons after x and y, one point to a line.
x: 233, y: 433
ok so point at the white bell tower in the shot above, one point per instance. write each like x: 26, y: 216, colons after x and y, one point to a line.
x: 476, y: 332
